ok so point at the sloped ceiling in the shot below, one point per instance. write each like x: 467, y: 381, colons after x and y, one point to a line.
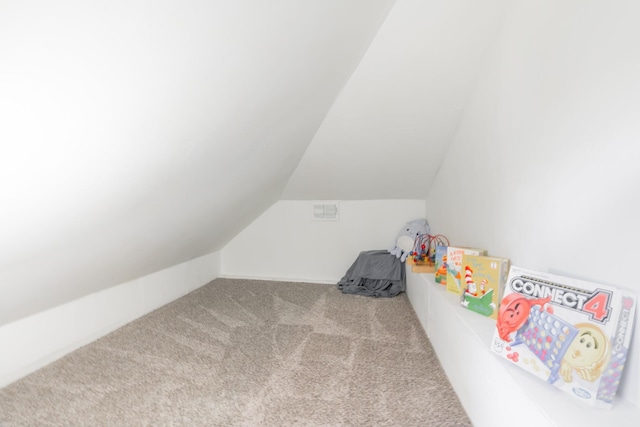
x: 135, y: 135
x: 387, y: 133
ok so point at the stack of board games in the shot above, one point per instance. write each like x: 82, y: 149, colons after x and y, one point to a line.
x: 570, y: 333
x: 483, y: 285
x: 454, y: 265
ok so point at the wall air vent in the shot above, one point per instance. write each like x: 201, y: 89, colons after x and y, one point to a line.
x: 326, y: 211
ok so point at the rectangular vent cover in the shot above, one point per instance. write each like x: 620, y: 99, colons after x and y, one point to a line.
x: 326, y: 211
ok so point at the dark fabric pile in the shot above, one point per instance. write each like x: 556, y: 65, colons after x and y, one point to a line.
x: 374, y: 273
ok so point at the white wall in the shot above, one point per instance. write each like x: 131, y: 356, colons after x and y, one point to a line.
x: 544, y: 167
x: 32, y: 342
x: 136, y: 135
x: 284, y: 243
x: 388, y: 131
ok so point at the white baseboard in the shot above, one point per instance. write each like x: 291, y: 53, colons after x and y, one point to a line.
x: 282, y: 279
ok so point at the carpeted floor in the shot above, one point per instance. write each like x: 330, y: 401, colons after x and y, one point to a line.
x: 248, y: 353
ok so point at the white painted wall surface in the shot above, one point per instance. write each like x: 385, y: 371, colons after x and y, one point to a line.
x: 32, y: 342
x: 386, y: 134
x: 284, y: 243
x: 137, y: 135
x: 544, y: 168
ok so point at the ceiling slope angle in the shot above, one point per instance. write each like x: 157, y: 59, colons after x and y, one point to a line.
x: 139, y: 135
x: 390, y: 128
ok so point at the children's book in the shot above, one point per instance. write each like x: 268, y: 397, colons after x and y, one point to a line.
x: 484, y: 279
x: 441, y: 264
x: 454, y: 266
x: 571, y: 333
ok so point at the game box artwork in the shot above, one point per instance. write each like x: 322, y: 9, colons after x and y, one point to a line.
x: 570, y: 333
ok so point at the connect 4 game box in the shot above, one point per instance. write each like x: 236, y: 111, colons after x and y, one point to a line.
x: 570, y: 333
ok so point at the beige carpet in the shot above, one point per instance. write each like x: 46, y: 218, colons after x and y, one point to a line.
x: 248, y: 353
